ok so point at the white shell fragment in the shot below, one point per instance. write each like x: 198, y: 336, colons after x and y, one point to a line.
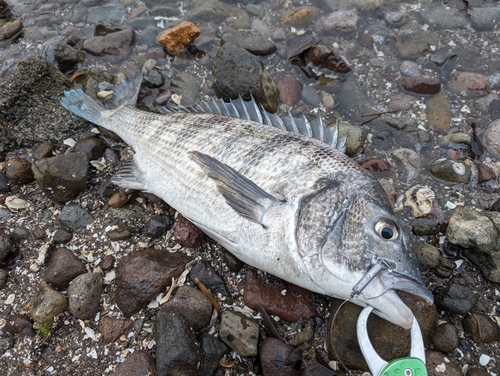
x: 420, y: 199
x: 459, y: 168
x: 16, y: 203
x: 105, y: 94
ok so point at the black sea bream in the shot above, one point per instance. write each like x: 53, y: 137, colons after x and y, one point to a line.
x: 283, y: 202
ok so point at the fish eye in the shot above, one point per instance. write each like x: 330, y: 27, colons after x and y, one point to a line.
x: 386, y: 229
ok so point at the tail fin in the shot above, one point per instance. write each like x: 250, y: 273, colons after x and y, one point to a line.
x: 79, y: 103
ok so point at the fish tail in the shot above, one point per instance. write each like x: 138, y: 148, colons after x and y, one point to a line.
x: 79, y: 103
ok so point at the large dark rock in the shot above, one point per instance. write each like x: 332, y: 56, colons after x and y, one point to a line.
x: 30, y: 111
x: 63, y: 267
x: 84, y: 294
x: 141, y: 275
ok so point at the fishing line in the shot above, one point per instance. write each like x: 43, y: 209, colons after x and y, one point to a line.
x: 333, y: 322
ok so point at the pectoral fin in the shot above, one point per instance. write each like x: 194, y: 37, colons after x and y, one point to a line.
x: 129, y: 176
x: 243, y: 195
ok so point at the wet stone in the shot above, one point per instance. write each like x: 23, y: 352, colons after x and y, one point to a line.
x: 438, y: 112
x: 6, y: 246
x: 378, y: 167
x: 451, y: 171
x: 481, y: 328
x: 10, y: 29
x: 62, y: 236
x: 213, y: 349
x: 445, y: 268
x: 112, y: 328
x: 93, y: 147
x: 191, y: 303
x: 84, y: 295
x: 107, y: 12
x: 122, y: 232
x: 471, y: 85
x: 158, y: 225
x: 409, y: 68
x: 274, y: 349
x: 444, y: 17
x: 491, y: 139
x: 473, y: 371
x: 485, y: 173
x: 4, y: 183
x: 209, y: 277
x: 44, y: 150
x: 118, y: 200
x: 177, y: 351
x: 251, y: 41
x: 18, y: 170
x: 108, y: 263
x: 142, y: 275
x: 238, y: 72
x: 396, y: 19
x: 256, y: 293
x: 114, y: 47
x: 188, y: 87
x: 484, y: 18
x: 421, y: 85
x: 187, y: 234
x: 355, y: 138
x: 63, y: 266
x: 179, y: 37
x: 365, y: 40
x: 290, y: 89
x: 75, y: 217
x: 427, y: 255
x: 20, y: 325
x: 439, y: 364
x: 62, y: 177
x: 239, y: 332
x: 66, y: 56
x: 412, y: 46
x: 456, y: 299
x: 298, y: 17
x: 446, y: 338
x: 494, y: 109
x: 47, y: 303
x: 19, y: 234
x: 4, y: 274
x: 136, y: 364
x: 344, y: 20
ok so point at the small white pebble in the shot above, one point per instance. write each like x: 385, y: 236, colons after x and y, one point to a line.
x: 484, y: 359
x: 10, y: 299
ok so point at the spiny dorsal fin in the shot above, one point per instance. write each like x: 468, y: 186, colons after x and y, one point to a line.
x: 243, y: 195
x: 249, y: 110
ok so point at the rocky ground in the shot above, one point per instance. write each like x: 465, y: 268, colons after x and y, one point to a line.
x: 96, y: 280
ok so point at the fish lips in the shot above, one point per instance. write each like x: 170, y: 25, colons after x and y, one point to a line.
x: 397, y: 281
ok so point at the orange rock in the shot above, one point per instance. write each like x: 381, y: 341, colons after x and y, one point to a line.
x: 179, y: 37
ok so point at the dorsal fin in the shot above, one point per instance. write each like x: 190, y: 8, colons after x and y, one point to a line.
x: 250, y: 110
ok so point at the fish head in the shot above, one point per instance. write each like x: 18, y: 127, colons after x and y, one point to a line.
x: 364, y: 254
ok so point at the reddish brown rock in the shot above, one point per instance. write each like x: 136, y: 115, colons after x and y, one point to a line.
x: 139, y: 363
x: 122, y: 232
x: 62, y: 268
x: 421, y: 85
x: 179, y: 37
x: 485, y: 173
x: 118, y: 200
x: 438, y: 112
x: 470, y: 85
x: 112, y: 328
x: 292, y: 306
x: 187, y: 234
x: 271, y: 349
x: 378, y: 167
x: 481, y: 328
x: 438, y: 364
x: 298, y: 16
x: 19, y: 324
x: 10, y: 29
x: 18, y: 170
x: 142, y: 275
x: 290, y: 89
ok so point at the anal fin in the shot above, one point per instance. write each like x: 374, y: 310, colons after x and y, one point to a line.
x: 129, y: 176
x: 243, y: 195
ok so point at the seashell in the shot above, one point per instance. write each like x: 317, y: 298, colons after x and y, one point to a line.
x: 16, y: 203
x: 459, y: 168
x: 105, y: 94
x: 420, y: 199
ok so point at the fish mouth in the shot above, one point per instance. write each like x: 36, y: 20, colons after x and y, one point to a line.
x: 401, y: 282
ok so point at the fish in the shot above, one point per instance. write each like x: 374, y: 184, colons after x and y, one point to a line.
x: 278, y: 193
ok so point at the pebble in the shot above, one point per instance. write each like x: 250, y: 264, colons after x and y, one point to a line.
x: 179, y: 37
x: 136, y: 364
x: 188, y: 87
x: 44, y: 150
x: 46, y: 304
x: 75, y: 217
x: 413, y: 46
x: 485, y: 173
x: 481, y: 328
x: 113, y: 47
x: 118, y: 200
x: 395, y: 18
x: 257, y: 292
x: 210, y: 278
x: 62, y: 177
x: 445, y: 338
x: 66, y: 56
x: 142, y: 275
x: 438, y: 364
x: 18, y: 170
x: 187, y: 234
x: 20, y: 325
x: 310, y: 96
x: 409, y: 159
x: 251, y: 41
x: 491, y: 139
x: 108, y: 263
x: 158, y: 225
x: 444, y: 17
x: 471, y: 85
x: 473, y: 371
x: 228, y: 83
x: 191, y: 303
x: 62, y: 236
x: 232, y: 262
x: 421, y: 85
x: 298, y: 17
x: 107, y: 12
x: 290, y: 90
x: 484, y: 18
x: 378, y: 167
x: 451, y: 171
x: 213, y: 349
x: 84, y: 295
x: 494, y: 109
x: 456, y: 298
x: 355, y: 138
x: 260, y: 27
x: 92, y: 146
x: 177, y: 351
x: 343, y: 20
x: 112, y: 328
x: 409, y: 68
x: 10, y: 30
x: 365, y: 40
x: 427, y: 256
x: 273, y: 349
x: 477, y: 233
x: 367, y: 5
x: 438, y: 112
x: 6, y: 246
x: 63, y: 266
x: 239, y: 332
x: 122, y: 232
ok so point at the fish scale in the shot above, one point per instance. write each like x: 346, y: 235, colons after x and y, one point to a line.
x: 280, y: 201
